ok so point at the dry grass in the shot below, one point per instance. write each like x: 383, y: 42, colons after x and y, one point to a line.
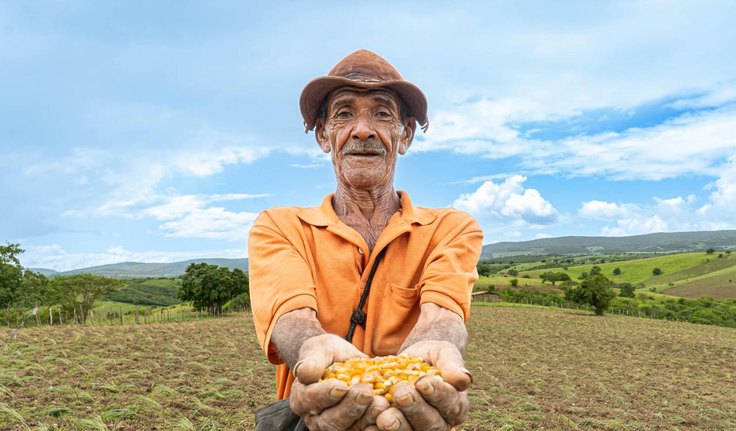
x: 534, y: 369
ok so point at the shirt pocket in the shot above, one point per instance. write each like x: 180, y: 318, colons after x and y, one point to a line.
x: 396, y: 318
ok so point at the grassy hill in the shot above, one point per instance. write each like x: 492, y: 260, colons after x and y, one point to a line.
x: 153, y: 292
x: 533, y: 369
x: 689, y: 275
x: 146, y: 270
x: 651, y: 243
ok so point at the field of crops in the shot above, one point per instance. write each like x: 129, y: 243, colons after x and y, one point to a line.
x: 534, y: 368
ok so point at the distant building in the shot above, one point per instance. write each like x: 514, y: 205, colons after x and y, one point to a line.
x: 485, y: 297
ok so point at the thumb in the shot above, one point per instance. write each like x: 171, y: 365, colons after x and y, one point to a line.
x: 452, y: 369
x: 318, y: 353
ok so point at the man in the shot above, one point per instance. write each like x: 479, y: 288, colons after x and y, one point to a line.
x: 309, y: 266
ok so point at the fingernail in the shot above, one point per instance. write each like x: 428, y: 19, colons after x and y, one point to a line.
x: 296, y: 367
x: 338, y: 392
x: 364, y: 399
x: 425, y: 387
x: 394, y: 426
x: 375, y: 411
x: 465, y: 370
x: 405, y: 400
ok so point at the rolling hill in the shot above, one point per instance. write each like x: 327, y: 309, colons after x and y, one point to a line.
x: 669, y: 242
x: 146, y: 270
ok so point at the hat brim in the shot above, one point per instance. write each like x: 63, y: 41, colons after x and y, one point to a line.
x: 316, y: 90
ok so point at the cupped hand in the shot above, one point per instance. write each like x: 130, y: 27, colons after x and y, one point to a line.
x: 330, y: 405
x: 433, y: 403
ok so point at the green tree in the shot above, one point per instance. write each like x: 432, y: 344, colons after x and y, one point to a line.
x: 211, y: 286
x: 554, y: 277
x: 626, y: 290
x: 11, y: 273
x: 617, y: 271
x: 34, y: 289
x: 77, y: 293
x: 514, y: 282
x: 656, y: 271
x: 512, y: 272
x: 594, y: 290
x: 710, y: 250
x: 484, y: 269
x: 596, y: 270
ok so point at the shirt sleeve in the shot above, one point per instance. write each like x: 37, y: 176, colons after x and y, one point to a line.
x: 279, y: 277
x: 450, y: 270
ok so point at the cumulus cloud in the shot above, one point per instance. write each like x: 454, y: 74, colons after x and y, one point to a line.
x: 189, y: 216
x: 509, y: 201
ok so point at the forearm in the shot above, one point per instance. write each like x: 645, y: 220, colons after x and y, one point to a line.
x: 436, y: 323
x: 292, y: 330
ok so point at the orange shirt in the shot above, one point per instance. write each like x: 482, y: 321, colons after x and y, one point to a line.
x: 307, y: 257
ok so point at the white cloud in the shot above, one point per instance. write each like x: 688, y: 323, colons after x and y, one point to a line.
x: 636, y: 226
x: 667, y: 214
x: 54, y: 256
x: 601, y: 210
x: 508, y: 201
x: 189, y: 216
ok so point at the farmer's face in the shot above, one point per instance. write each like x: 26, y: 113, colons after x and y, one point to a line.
x: 365, y: 133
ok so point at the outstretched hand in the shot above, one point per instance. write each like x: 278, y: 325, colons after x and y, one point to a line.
x: 331, y: 405
x: 433, y: 403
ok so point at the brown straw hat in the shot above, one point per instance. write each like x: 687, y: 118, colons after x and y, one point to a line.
x: 362, y: 69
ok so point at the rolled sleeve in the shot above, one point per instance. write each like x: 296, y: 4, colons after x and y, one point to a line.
x: 450, y: 271
x: 280, y: 280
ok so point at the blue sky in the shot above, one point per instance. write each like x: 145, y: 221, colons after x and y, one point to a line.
x: 156, y: 131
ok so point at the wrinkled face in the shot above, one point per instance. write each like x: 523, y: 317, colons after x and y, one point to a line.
x: 364, y: 132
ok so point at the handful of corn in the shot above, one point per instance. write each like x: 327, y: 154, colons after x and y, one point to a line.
x: 383, y: 373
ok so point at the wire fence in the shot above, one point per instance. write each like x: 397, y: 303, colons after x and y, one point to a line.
x: 56, y: 315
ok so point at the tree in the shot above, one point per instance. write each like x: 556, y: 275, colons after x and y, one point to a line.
x: 626, y: 290
x: 710, y: 250
x: 617, y: 271
x: 594, y: 290
x: 484, y: 269
x: 514, y: 282
x: 79, y: 292
x: 596, y: 270
x: 554, y: 277
x: 11, y: 273
x: 656, y: 271
x: 512, y: 272
x: 34, y: 289
x: 211, y: 286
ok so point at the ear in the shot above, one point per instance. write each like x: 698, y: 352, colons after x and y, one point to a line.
x: 407, y: 136
x: 320, y: 135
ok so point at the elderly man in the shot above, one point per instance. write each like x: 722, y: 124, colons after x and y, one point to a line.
x: 310, y: 267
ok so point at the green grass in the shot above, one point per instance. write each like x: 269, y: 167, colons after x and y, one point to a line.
x: 534, y: 368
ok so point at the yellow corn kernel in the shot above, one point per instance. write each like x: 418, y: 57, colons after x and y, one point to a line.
x: 384, y: 374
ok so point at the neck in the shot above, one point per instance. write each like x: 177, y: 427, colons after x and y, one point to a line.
x: 366, y: 211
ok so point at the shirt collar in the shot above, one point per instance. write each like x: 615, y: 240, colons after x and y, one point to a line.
x: 324, y: 215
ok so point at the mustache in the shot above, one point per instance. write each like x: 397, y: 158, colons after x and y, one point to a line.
x: 363, y: 148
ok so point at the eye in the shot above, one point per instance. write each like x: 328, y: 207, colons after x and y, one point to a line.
x: 343, y: 114
x: 383, y: 114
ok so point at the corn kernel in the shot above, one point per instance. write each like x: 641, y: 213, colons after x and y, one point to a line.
x: 384, y: 373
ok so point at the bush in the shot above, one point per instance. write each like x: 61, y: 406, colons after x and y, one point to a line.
x: 656, y: 271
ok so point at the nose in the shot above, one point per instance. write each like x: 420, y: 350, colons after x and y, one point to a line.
x: 363, y: 129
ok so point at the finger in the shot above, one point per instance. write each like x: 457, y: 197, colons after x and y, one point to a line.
x: 344, y: 414
x: 318, y: 353
x: 452, y: 367
x: 420, y: 414
x: 313, y: 399
x: 368, y: 420
x: 392, y: 420
x: 451, y: 404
